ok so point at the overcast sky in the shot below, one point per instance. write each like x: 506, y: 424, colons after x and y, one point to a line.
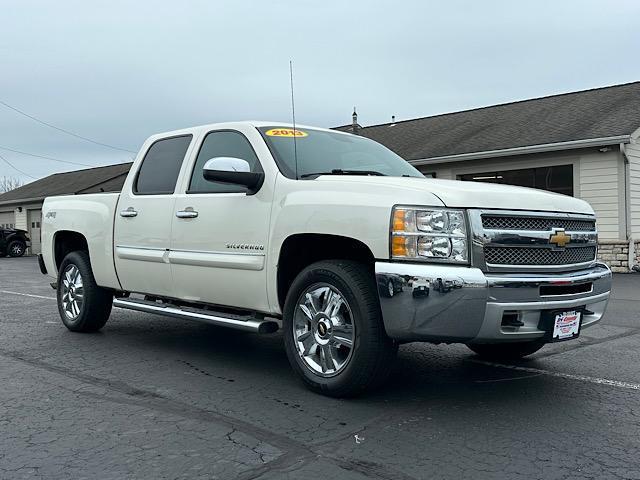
x: 119, y: 71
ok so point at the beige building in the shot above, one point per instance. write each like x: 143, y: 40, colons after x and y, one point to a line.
x: 22, y: 208
x: 584, y: 144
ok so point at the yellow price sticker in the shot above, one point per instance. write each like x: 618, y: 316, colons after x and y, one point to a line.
x: 286, y: 132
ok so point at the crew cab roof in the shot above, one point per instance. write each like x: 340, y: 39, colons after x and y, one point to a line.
x: 235, y: 125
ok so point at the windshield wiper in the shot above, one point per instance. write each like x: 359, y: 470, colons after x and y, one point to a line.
x: 339, y: 171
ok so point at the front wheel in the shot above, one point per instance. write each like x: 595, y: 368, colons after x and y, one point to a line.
x: 333, y: 331
x: 506, y: 351
x: 16, y: 248
x: 83, y: 305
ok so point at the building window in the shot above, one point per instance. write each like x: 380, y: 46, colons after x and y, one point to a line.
x: 558, y: 179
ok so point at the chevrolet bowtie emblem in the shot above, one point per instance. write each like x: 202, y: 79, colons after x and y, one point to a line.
x: 559, y: 238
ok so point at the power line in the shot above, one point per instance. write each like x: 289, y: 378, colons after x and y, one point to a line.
x: 62, y: 129
x: 16, y: 168
x: 45, y: 157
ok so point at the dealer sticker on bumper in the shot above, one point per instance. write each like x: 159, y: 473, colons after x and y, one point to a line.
x: 566, y: 325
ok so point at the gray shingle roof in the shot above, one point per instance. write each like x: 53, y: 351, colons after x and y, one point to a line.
x: 90, y: 180
x: 601, y: 112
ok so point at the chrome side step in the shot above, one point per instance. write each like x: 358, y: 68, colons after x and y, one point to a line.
x: 247, y: 323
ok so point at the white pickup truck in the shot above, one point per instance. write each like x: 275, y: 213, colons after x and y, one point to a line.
x: 331, y: 237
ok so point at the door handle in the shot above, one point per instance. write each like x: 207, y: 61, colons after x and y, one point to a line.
x: 128, y: 213
x: 187, y: 213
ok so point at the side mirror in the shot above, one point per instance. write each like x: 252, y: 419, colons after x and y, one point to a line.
x: 233, y: 171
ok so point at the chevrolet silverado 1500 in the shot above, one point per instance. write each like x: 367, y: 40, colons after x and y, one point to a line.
x: 332, y: 238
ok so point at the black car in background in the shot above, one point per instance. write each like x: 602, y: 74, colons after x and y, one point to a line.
x: 13, y: 242
x: 389, y: 285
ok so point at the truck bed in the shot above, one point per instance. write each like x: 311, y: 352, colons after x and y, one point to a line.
x: 91, y: 215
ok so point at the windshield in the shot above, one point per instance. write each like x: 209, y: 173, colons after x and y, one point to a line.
x: 320, y: 152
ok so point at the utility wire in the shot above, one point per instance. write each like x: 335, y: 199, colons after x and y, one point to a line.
x: 16, y: 168
x: 45, y: 157
x: 62, y: 129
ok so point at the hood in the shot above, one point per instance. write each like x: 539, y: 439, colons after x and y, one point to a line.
x: 459, y: 194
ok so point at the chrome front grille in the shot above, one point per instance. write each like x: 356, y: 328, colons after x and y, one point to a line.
x: 495, y: 222
x: 538, y: 256
x: 522, y: 241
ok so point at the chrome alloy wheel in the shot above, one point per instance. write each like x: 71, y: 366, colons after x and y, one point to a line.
x: 72, y: 292
x: 323, y: 329
x: 16, y: 250
x: 390, y: 288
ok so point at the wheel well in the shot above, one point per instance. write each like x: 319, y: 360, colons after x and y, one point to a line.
x: 66, y: 242
x: 301, y: 250
x: 16, y: 237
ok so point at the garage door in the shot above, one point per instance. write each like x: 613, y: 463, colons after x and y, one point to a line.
x: 7, y: 219
x: 34, y: 217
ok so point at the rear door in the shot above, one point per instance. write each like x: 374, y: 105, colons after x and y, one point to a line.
x: 142, y: 230
x: 218, y: 251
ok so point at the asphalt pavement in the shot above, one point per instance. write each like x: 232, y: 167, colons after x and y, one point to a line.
x: 154, y: 397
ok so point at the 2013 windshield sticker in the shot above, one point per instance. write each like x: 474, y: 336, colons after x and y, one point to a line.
x: 286, y: 132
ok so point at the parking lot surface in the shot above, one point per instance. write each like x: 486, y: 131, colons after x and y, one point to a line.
x: 153, y: 397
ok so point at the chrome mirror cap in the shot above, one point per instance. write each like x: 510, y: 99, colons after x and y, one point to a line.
x: 227, y: 164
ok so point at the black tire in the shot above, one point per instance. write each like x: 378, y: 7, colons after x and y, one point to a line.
x: 96, y: 302
x: 16, y: 248
x: 372, y: 352
x: 506, y: 351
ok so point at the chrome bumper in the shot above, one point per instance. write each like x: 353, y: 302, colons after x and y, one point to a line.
x: 455, y: 304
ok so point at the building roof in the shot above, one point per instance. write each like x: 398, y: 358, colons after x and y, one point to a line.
x: 89, y: 180
x: 589, y: 114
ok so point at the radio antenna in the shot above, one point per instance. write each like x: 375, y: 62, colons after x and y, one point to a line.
x: 293, y: 117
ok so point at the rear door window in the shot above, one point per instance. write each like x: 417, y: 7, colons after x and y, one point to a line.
x: 160, y: 167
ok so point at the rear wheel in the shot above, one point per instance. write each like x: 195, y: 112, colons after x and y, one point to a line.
x: 16, y: 248
x: 333, y: 330
x: 506, y: 351
x: 83, y: 305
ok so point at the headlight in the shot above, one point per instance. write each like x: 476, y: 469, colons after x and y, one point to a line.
x: 433, y: 234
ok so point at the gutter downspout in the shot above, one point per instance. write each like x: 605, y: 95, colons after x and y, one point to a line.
x: 631, y: 256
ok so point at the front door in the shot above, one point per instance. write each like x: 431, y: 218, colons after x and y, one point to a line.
x: 220, y: 234
x: 142, y: 231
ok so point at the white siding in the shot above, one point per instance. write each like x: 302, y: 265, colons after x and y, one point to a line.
x: 633, y: 154
x: 601, y: 185
x: 21, y: 218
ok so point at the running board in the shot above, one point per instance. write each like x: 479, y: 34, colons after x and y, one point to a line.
x: 248, y: 323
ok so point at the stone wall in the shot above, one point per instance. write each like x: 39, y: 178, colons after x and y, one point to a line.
x: 615, y: 254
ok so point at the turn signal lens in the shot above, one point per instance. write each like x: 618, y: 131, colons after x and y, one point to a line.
x: 404, y: 220
x: 404, y: 247
x: 398, y: 220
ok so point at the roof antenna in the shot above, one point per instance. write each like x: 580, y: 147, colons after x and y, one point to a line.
x: 293, y: 116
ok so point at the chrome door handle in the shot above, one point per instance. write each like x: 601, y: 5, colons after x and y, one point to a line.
x: 128, y: 213
x: 188, y: 213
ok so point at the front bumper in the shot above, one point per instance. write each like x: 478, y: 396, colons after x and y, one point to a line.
x: 454, y: 304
